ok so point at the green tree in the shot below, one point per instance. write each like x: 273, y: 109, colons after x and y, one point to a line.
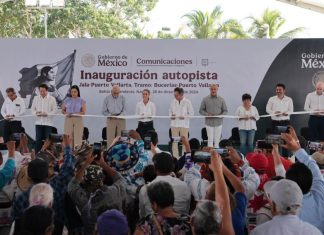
x: 210, y: 25
x: 269, y: 25
x: 79, y: 18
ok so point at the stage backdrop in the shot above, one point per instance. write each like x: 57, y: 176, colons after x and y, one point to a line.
x: 238, y: 66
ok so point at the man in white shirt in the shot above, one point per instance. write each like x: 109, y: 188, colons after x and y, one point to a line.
x: 163, y: 164
x: 315, y: 103
x: 180, y: 109
x: 44, y: 107
x: 286, y: 199
x: 279, y: 107
x: 12, y: 108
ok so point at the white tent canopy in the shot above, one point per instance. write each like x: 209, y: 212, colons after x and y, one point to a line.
x: 314, y: 5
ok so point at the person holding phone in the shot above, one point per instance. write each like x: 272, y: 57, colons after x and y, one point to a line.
x: 44, y: 107
x: 73, y: 108
x: 248, y: 115
x: 146, y: 109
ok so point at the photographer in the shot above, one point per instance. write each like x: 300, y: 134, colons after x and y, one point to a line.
x: 88, y: 191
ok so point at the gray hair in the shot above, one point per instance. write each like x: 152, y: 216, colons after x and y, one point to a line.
x: 41, y: 195
x: 206, y: 218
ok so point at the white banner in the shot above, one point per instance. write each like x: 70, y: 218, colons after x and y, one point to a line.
x: 238, y: 66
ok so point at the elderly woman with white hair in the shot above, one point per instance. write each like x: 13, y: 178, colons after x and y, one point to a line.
x: 41, y: 194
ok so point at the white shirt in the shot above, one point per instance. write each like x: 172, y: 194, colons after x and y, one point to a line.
x: 284, y: 105
x: 181, y: 109
x: 286, y: 225
x: 148, y: 110
x: 16, y: 107
x: 181, y: 191
x: 247, y: 124
x: 314, y: 101
x: 46, y: 105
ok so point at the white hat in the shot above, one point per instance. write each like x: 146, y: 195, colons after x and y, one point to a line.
x: 285, y: 193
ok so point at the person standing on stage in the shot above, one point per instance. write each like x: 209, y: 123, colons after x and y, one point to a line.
x: 280, y: 106
x: 180, y: 109
x: 315, y: 103
x: 12, y: 108
x: 213, y: 105
x: 44, y: 107
x: 248, y: 115
x: 73, y: 107
x: 146, y: 109
x: 114, y: 105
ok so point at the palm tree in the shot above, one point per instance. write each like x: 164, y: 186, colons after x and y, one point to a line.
x: 209, y: 25
x: 268, y: 26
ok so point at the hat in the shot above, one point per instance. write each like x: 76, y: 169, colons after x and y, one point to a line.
x: 23, y: 180
x: 121, y: 157
x: 93, y: 176
x: 112, y: 222
x: 258, y: 161
x: 81, y: 152
x: 38, y: 170
x: 318, y: 157
x: 285, y: 193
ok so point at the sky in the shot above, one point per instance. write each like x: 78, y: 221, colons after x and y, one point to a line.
x: 168, y: 13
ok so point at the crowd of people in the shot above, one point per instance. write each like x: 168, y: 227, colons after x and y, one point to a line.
x: 131, y: 186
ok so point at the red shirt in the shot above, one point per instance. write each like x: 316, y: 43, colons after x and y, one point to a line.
x: 271, y: 169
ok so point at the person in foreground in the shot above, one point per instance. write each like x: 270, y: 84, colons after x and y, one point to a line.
x: 286, y: 199
x: 210, y: 217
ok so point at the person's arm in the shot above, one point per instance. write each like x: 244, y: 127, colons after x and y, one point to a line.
x: 307, y: 106
x: 24, y: 143
x: 63, y: 108
x: 123, y: 111
x: 83, y: 108
x: 22, y: 109
x: 221, y: 192
x: 235, y: 181
x: 257, y: 116
x: 138, y: 109
x: 105, y: 110
x: 34, y: 106
x: 251, y: 179
x: 224, y: 108
x: 291, y: 106
x: 279, y: 167
x: 4, y: 110
x: 8, y: 170
x: 202, y: 109
x: 153, y: 109
x: 303, y: 157
x: 78, y: 195
x: 53, y: 106
x: 190, y: 109
x: 269, y: 107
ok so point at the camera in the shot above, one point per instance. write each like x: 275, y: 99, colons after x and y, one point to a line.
x: 96, y: 150
x: 147, y: 143
x: 176, y: 139
x: 262, y: 144
x: 124, y: 135
x: 274, y: 139
x: 56, y: 138
x: 315, y: 146
x: 200, y: 157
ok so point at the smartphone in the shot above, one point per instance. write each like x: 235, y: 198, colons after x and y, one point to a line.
x: 56, y: 138
x: 124, y: 135
x: 274, y: 139
x: 96, y: 150
x: 222, y: 151
x: 147, y: 143
x: 316, y: 146
x: 15, y: 137
x: 200, y: 156
x: 281, y: 129
x: 262, y: 144
x: 176, y: 139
